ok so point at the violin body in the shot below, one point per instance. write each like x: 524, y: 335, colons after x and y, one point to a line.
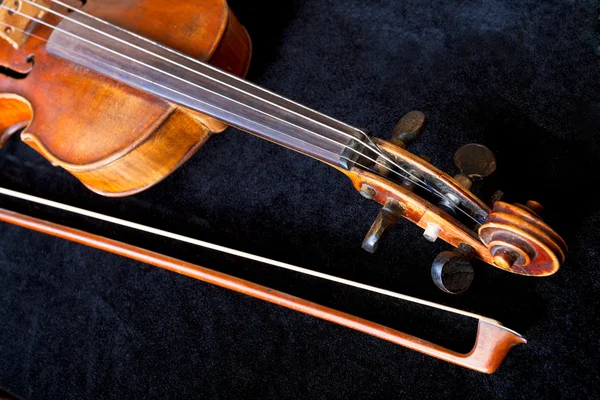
x: 118, y: 140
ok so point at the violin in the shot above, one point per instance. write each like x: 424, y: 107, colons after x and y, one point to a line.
x: 154, y: 93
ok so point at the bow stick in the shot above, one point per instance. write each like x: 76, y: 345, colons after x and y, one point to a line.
x: 492, y: 343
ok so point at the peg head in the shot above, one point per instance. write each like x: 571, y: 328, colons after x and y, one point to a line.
x: 388, y: 216
x: 475, y: 161
x: 408, y: 129
x: 452, y: 271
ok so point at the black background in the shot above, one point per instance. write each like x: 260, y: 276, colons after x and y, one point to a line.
x: 521, y: 77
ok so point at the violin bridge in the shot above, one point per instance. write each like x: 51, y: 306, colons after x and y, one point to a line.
x: 16, y: 20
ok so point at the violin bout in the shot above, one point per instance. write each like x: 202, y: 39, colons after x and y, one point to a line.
x: 115, y: 139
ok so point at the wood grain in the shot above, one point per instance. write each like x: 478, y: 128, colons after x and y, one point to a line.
x: 92, y: 125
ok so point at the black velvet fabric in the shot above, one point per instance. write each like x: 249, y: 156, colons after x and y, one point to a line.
x: 521, y: 77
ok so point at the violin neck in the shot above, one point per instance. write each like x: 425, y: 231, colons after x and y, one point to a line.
x: 153, y: 68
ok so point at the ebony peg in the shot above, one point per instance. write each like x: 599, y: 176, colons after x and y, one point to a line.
x: 408, y: 129
x: 474, y: 161
x: 452, y: 271
x: 388, y: 216
x: 497, y: 196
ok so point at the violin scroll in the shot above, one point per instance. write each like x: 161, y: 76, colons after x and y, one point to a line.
x: 520, y: 242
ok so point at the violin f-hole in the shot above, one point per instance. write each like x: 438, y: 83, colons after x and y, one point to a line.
x: 14, y: 74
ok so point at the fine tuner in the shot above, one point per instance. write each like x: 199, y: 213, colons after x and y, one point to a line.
x: 154, y: 96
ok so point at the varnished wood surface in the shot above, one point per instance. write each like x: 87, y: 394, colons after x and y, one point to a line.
x: 419, y: 211
x: 85, y: 122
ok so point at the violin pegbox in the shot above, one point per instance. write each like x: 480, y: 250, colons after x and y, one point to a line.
x: 407, y: 130
x: 511, y: 237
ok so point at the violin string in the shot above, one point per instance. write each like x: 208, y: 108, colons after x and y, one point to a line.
x: 324, y: 137
x: 375, y: 148
x: 198, y: 100
x: 218, y: 94
x: 167, y: 88
x: 421, y: 183
x: 237, y: 253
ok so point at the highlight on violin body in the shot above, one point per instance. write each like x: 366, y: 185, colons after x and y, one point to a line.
x: 156, y: 96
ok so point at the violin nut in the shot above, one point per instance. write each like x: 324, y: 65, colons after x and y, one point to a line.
x: 432, y: 232
x: 367, y: 192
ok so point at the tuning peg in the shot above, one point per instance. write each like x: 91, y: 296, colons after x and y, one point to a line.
x: 388, y: 216
x: 452, y: 271
x: 474, y: 161
x: 497, y: 196
x: 408, y: 129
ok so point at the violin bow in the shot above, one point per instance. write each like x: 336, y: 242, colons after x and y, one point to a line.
x: 492, y: 343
